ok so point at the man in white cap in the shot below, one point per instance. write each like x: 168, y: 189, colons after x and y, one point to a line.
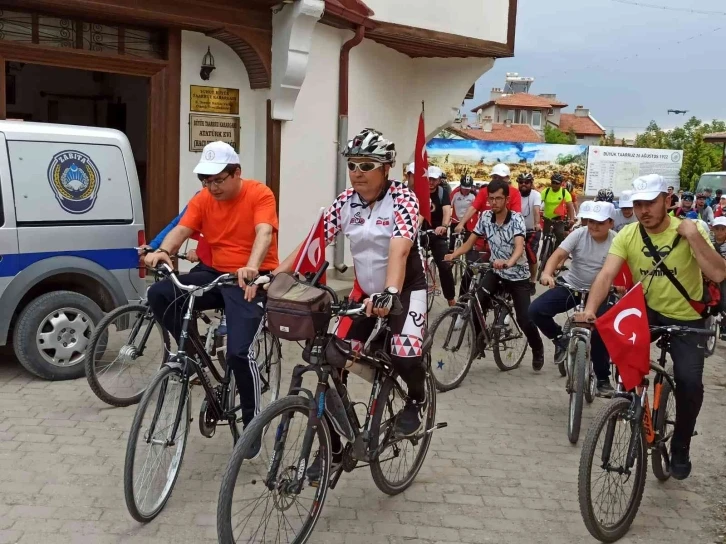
x: 588, y: 248
x: 440, y: 223
x: 624, y: 215
x: 687, y: 254
x: 499, y: 172
x: 410, y: 172
x: 238, y: 219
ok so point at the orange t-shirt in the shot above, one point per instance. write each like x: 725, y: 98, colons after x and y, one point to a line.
x: 229, y: 225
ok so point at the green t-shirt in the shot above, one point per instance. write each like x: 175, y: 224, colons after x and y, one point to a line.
x: 660, y: 293
x: 551, y: 200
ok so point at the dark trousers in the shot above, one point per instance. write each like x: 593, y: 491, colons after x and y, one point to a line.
x: 560, y: 300
x: 440, y: 247
x: 559, y: 229
x: 520, y: 296
x: 687, y: 353
x: 243, y: 321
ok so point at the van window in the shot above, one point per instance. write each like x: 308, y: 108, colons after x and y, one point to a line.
x: 711, y: 181
x: 58, y: 182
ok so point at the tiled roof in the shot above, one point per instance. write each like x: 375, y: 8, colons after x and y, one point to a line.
x: 717, y: 137
x: 500, y: 133
x: 582, y: 126
x: 523, y: 100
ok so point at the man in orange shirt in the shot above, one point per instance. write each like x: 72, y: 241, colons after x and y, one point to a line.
x: 238, y: 219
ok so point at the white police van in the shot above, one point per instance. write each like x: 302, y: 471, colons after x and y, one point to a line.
x: 70, y: 217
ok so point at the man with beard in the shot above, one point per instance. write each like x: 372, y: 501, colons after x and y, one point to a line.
x: 531, y: 206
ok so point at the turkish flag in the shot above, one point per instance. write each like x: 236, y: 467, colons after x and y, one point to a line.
x: 420, y: 176
x: 625, y: 332
x: 312, y: 254
x: 624, y: 277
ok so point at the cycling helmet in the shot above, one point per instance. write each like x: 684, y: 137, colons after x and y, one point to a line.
x: 701, y: 195
x: 525, y: 177
x: 371, y: 144
x: 467, y: 182
x: 557, y: 177
x: 604, y: 195
x: 688, y: 195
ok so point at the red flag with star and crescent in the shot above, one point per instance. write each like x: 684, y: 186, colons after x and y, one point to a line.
x: 312, y: 253
x: 624, y: 330
x: 420, y: 175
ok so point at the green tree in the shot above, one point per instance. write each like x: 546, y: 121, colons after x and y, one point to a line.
x: 608, y: 139
x: 553, y: 135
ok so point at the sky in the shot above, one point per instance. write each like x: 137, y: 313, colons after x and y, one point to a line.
x: 623, y: 62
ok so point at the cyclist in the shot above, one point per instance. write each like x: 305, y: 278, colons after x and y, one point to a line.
x: 461, y: 199
x: 720, y: 209
x: 707, y: 194
x: 505, y: 232
x: 685, y: 262
x: 672, y: 199
x: 531, y: 212
x: 557, y: 203
x: 500, y: 172
x: 410, y: 172
x: 587, y: 247
x: 440, y: 223
x: 624, y: 215
x: 605, y: 195
x: 238, y: 218
x: 686, y: 205
x: 704, y: 210
x: 379, y: 217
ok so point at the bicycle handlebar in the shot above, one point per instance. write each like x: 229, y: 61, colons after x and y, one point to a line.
x: 228, y: 279
x: 146, y: 250
x: 681, y: 330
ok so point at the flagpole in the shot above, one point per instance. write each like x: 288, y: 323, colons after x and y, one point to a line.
x: 309, y: 240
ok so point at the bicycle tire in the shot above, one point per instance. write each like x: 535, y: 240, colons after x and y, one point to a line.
x: 660, y: 456
x: 377, y: 472
x: 544, y: 256
x: 587, y: 458
x: 161, y: 381
x: 256, y: 428
x: 712, y: 324
x: 99, y: 338
x: 591, y: 389
x: 502, y: 324
x: 577, y: 392
x: 453, y: 313
x: 430, y: 284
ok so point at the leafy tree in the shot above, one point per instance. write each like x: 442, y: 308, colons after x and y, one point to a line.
x: 608, y: 139
x: 553, y: 135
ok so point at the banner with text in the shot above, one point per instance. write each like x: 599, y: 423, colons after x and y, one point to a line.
x: 616, y: 167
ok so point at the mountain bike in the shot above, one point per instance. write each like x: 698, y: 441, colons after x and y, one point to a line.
x: 458, y: 265
x: 454, y: 343
x: 160, y: 427
x: 613, y: 459
x: 432, y: 289
x: 549, y: 244
x: 272, y: 501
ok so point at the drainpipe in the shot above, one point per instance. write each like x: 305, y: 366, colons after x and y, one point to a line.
x: 341, y: 172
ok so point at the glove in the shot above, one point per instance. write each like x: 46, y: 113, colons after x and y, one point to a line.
x: 387, y: 301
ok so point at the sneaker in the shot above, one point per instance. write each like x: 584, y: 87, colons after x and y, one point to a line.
x: 604, y: 388
x: 560, y: 343
x: 316, y: 467
x: 532, y: 288
x: 538, y: 359
x: 408, y: 420
x: 222, y: 329
x: 680, y: 462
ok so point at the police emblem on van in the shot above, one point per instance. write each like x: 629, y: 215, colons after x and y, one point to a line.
x: 75, y: 180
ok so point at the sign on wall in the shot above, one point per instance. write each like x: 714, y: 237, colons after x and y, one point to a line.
x: 214, y: 99
x: 616, y: 167
x: 204, y: 129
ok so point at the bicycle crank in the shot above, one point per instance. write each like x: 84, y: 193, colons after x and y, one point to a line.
x: 207, y: 421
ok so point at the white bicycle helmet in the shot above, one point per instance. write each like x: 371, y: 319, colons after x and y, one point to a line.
x: 371, y: 144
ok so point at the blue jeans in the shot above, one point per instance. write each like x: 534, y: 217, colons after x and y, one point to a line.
x: 559, y: 300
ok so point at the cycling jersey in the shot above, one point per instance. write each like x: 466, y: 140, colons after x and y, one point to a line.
x: 370, y: 228
x: 460, y: 204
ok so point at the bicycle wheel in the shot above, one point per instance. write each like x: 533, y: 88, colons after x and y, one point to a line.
x: 609, y: 518
x: 430, y: 283
x: 591, y: 389
x: 510, y: 344
x: 399, y: 460
x: 713, y: 325
x: 577, y: 390
x: 664, y: 423
x: 258, y: 500
x: 544, y: 255
x: 125, y: 353
x: 453, y: 342
x: 151, y: 470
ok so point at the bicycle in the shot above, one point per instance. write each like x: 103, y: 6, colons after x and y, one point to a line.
x: 458, y: 265
x: 432, y: 289
x: 713, y: 323
x: 457, y: 324
x: 301, y: 421
x: 161, y: 423
x: 629, y: 418
x: 549, y: 244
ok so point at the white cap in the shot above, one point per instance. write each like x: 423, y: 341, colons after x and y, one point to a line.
x: 597, y: 211
x: 626, y: 199
x: 411, y: 168
x: 719, y: 221
x: 435, y: 172
x: 500, y: 169
x: 649, y: 187
x: 215, y: 158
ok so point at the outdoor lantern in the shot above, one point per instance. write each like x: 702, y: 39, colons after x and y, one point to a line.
x: 207, y: 65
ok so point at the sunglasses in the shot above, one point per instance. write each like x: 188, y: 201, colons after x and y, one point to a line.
x: 363, y: 166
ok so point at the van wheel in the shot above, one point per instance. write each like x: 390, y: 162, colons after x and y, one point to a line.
x: 53, y: 332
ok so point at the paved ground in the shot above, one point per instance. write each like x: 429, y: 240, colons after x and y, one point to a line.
x: 503, y: 471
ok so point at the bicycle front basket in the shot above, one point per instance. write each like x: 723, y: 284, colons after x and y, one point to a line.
x: 296, y: 310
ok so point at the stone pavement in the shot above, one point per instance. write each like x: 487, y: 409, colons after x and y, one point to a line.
x: 503, y: 471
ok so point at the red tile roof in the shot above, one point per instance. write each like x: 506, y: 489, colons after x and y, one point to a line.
x: 523, y: 100
x: 582, y: 126
x: 500, y: 133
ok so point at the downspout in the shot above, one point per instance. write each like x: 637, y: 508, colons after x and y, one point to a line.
x: 341, y: 172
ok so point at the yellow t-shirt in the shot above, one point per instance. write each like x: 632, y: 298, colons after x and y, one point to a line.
x: 551, y: 200
x: 660, y: 293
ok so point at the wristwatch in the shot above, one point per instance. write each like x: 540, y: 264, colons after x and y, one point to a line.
x: 391, y: 291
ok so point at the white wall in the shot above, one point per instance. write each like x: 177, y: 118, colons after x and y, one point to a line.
x: 482, y: 19
x: 589, y: 140
x: 230, y: 73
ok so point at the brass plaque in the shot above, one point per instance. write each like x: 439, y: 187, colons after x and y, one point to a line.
x: 214, y: 99
x: 204, y: 129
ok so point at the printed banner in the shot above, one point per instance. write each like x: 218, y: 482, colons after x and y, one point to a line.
x: 616, y: 167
